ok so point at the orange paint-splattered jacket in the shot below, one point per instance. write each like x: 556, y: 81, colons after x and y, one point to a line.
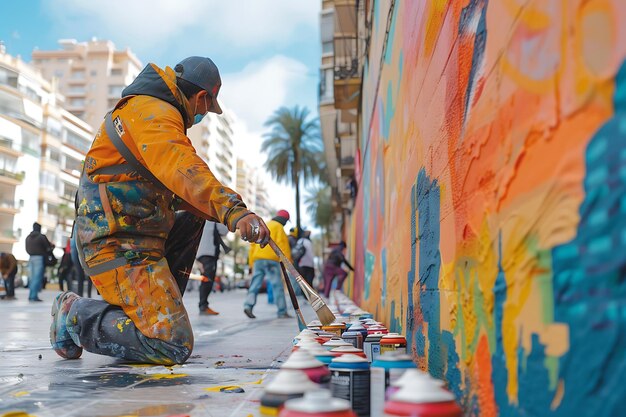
x: 124, y: 214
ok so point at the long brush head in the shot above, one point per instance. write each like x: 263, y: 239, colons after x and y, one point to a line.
x: 321, y: 309
x: 319, y: 306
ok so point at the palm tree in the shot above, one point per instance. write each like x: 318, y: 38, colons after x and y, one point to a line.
x: 293, y: 148
x: 319, y: 207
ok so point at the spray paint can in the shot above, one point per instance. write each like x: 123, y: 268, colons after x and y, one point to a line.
x: 371, y: 346
x: 336, y: 328
x: 349, y: 350
x: 321, y: 354
x: 318, y: 403
x: 304, y: 334
x: 288, y: 384
x: 407, y: 377
x: 385, y: 370
x: 314, y: 369
x: 424, y: 398
x: 304, y: 343
x: 357, y: 327
x: 335, y: 342
x: 377, y: 328
x: 354, y: 338
x: 350, y: 380
x: 392, y: 342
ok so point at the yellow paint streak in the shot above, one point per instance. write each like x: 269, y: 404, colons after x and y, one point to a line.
x: 20, y: 394
x: 220, y: 387
x: 164, y: 376
x: 17, y: 414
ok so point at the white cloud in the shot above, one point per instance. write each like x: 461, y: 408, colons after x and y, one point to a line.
x: 156, y: 24
x: 262, y: 87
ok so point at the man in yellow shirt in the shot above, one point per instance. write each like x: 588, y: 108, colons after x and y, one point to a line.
x: 265, y: 264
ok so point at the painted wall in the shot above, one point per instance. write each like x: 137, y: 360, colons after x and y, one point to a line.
x: 490, y: 225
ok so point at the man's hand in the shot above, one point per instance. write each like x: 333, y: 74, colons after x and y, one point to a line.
x: 253, y: 229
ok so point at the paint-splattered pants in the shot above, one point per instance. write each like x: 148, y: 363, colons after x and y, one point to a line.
x: 142, y: 317
x: 330, y: 272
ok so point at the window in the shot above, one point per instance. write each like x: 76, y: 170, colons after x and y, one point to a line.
x: 7, y: 163
x: 78, y: 142
x: 53, y: 127
x: 8, y: 77
x: 58, y: 73
x: 69, y: 191
x: 76, y: 89
x: 31, y: 142
x: 78, y: 74
x: 49, y: 181
x: 77, y: 102
x: 327, y: 31
x: 54, y: 155
x: 72, y: 164
x: 93, y: 73
x: 11, y: 105
x: 116, y: 90
x: 326, y: 84
x: 116, y: 71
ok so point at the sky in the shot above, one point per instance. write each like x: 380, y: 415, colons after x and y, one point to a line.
x: 268, y: 51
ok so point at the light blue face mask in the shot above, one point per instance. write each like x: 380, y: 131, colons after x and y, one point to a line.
x: 198, y: 117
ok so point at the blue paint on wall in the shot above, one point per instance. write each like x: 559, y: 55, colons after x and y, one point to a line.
x: 590, y: 279
x: 383, y: 260
x: 468, y: 16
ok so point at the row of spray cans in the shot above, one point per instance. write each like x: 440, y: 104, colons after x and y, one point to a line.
x: 354, y: 368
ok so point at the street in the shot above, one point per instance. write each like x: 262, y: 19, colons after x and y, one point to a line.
x: 231, y: 353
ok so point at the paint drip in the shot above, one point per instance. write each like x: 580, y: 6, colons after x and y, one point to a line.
x: 386, y: 370
x: 350, y: 380
x: 317, y: 403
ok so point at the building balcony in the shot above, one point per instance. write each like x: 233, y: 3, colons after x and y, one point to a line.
x: 50, y: 196
x: 11, y: 178
x: 9, y: 207
x: 8, y: 236
x: 48, y: 221
x: 7, y: 148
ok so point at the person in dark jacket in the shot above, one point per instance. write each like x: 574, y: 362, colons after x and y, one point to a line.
x: 332, y: 268
x: 37, y: 246
x: 208, y: 254
x: 8, y: 268
x: 64, y: 271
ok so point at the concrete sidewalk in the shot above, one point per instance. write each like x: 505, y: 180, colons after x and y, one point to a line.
x: 230, y: 350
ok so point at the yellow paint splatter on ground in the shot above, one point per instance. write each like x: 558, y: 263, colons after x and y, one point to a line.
x: 21, y: 394
x: 17, y: 414
x: 165, y: 376
x: 220, y: 387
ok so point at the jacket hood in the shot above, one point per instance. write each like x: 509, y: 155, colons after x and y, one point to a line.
x: 161, y: 84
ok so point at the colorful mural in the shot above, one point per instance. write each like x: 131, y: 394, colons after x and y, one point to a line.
x: 490, y: 222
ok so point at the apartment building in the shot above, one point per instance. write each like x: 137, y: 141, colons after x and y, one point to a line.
x: 253, y: 190
x: 213, y: 139
x: 339, y: 97
x: 91, y: 75
x: 42, y: 146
